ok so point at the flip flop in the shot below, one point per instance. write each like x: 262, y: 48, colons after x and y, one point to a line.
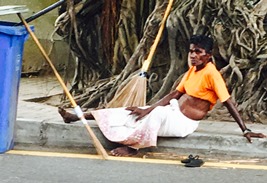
x: 195, y: 163
x: 190, y: 157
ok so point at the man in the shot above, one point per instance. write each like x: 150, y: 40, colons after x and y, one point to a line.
x: 175, y: 115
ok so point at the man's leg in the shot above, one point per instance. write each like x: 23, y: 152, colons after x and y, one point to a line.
x: 150, y: 127
x: 69, y: 117
x: 120, y: 151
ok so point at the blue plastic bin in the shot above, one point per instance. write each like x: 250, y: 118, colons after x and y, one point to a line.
x: 12, y: 39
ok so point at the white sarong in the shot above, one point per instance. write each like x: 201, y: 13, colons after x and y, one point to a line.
x: 166, y: 121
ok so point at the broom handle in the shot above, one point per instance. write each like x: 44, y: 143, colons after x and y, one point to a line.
x: 147, y: 62
x: 78, y: 110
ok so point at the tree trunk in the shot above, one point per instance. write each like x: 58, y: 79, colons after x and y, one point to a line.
x: 113, y: 38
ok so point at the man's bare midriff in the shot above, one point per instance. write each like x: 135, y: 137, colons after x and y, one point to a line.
x: 194, y: 108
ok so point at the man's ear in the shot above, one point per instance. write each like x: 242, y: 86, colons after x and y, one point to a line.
x: 209, y: 56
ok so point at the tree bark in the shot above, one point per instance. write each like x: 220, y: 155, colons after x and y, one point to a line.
x: 117, y: 36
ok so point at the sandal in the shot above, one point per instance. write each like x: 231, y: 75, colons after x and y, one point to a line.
x: 195, y: 163
x: 190, y: 157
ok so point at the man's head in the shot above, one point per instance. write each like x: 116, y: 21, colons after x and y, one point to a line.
x: 202, y: 41
x: 200, y: 50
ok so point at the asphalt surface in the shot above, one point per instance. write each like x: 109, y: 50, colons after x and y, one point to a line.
x: 43, y: 168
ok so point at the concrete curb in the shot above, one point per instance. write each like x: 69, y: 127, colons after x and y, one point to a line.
x: 40, y: 134
x: 216, y: 145
x: 207, y: 139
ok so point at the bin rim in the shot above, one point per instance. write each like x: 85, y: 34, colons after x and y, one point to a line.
x: 12, y: 28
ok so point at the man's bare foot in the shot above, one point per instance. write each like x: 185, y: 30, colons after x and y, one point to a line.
x: 67, y: 117
x: 123, y: 151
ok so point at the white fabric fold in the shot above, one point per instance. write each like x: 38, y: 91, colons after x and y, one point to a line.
x: 167, y: 121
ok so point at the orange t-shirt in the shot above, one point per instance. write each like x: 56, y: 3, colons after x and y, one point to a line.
x: 206, y: 84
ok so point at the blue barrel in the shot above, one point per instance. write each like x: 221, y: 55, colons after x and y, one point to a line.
x: 12, y: 39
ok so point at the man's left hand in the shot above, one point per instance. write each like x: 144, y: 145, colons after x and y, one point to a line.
x: 249, y: 135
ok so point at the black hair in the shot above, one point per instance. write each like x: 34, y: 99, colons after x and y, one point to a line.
x: 202, y: 41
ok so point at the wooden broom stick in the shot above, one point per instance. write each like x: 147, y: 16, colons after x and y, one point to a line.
x: 134, y: 92
x: 77, y: 108
x: 153, y: 48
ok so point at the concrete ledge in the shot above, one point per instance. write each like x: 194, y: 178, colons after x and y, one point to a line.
x: 215, y: 144
x: 41, y: 134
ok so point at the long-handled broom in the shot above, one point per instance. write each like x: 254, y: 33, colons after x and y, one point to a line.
x: 134, y: 92
x: 77, y: 108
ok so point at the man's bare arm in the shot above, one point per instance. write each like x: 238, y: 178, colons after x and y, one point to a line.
x: 164, y: 101
x: 234, y: 112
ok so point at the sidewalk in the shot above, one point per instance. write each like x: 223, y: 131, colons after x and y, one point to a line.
x: 40, y: 127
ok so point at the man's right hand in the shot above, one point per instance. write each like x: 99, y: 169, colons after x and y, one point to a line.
x: 140, y: 113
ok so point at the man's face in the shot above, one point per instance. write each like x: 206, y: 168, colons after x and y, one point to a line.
x: 198, y: 56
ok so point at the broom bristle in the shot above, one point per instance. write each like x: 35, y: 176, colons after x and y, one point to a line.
x: 133, y: 94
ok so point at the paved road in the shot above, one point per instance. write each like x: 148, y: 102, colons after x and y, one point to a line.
x: 16, y: 168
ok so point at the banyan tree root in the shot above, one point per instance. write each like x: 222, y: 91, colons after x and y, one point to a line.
x: 238, y: 28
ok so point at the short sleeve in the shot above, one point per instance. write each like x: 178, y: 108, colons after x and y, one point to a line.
x: 180, y: 86
x: 219, y: 86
